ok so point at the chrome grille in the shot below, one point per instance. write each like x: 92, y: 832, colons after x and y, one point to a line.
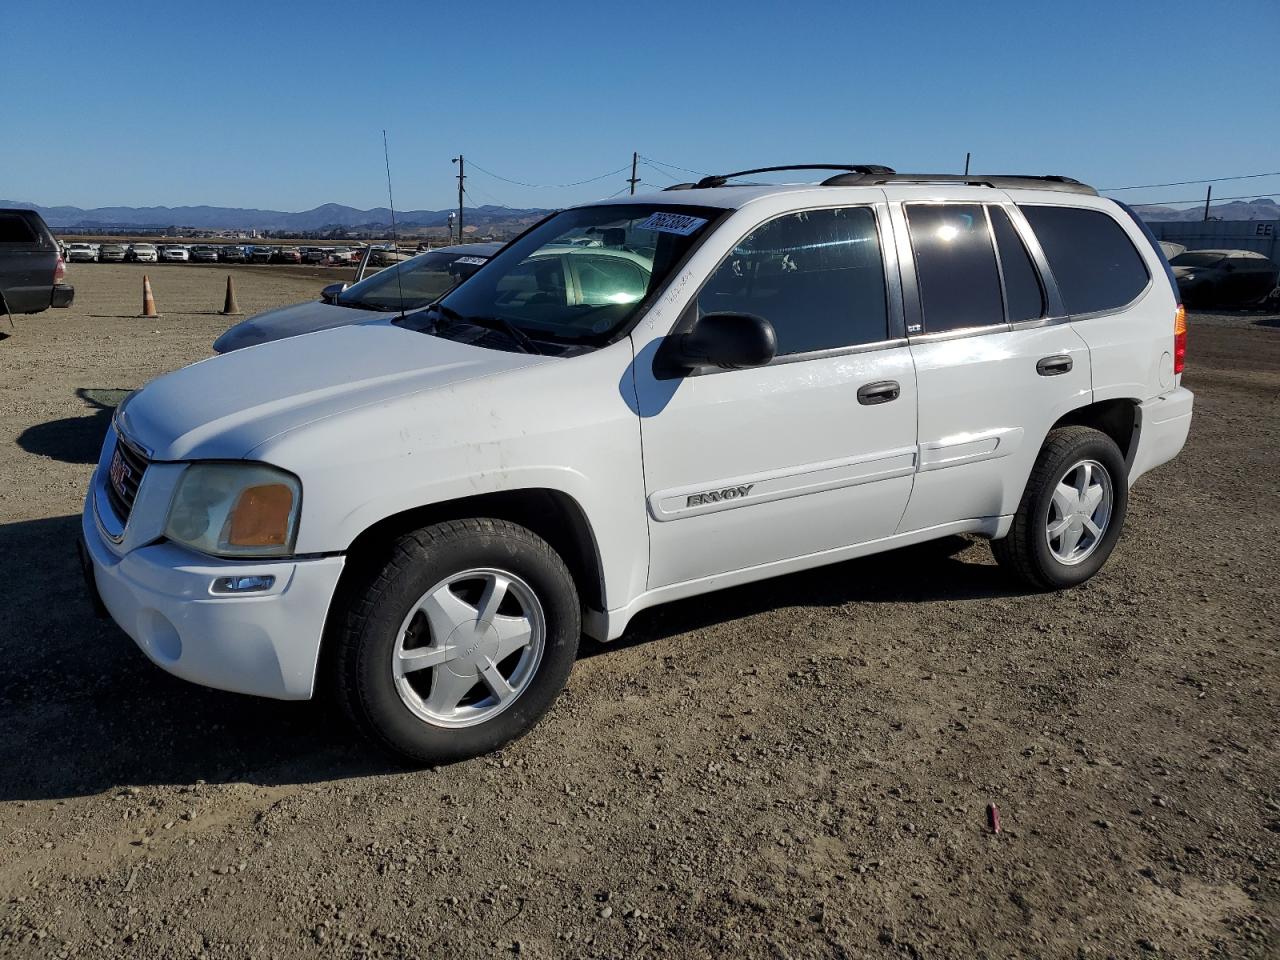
x: 124, y: 474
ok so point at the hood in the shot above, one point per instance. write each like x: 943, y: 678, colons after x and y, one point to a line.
x: 224, y: 407
x: 290, y: 322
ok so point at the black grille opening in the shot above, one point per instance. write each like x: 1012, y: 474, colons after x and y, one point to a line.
x: 124, y: 474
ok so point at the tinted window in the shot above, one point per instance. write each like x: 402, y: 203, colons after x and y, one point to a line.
x: 816, y: 276
x: 955, y: 266
x: 1092, y: 259
x: 1022, y: 293
x: 603, y: 280
x: 15, y: 229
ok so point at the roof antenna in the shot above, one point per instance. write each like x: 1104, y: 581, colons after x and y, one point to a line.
x: 395, y: 240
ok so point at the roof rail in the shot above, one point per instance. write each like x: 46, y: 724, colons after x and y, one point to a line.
x: 1001, y: 180
x: 719, y: 180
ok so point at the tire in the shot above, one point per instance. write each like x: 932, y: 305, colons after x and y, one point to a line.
x: 1030, y: 551
x: 446, y: 577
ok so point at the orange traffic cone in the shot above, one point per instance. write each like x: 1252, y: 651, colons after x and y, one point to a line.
x: 229, y: 305
x: 148, y: 299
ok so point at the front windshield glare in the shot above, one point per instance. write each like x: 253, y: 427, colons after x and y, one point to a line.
x: 413, y: 284
x: 583, y: 273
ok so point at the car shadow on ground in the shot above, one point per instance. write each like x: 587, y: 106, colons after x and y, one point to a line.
x: 75, y: 439
x: 84, y: 712
x: 925, y: 572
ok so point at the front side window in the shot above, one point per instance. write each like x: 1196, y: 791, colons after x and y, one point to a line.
x: 816, y: 276
x: 581, y: 275
x: 413, y: 284
x: 955, y: 266
x: 1092, y: 258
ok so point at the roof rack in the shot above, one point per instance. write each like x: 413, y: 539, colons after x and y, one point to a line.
x: 719, y: 180
x: 1002, y: 180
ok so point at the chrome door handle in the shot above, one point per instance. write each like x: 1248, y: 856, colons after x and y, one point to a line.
x: 882, y: 391
x: 1054, y: 366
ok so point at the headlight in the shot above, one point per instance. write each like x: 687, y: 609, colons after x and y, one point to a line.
x: 235, y: 510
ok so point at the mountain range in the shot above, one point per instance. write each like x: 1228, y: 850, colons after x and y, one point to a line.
x: 330, y: 215
x: 326, y: 215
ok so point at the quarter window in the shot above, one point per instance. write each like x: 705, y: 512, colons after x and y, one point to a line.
x: 1093, y: 261
x: 955, y: 266
x: 1023, y: 295
x: 16, y: 229
x: 817, y: 276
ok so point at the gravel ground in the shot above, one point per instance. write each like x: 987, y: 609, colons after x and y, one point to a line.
x: 800, y: 768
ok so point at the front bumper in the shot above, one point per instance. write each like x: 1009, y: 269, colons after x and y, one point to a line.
x: 1163, y: 425
x: 266, y: 644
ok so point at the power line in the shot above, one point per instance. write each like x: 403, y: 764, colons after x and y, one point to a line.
x: 1247, y: 196
x: 550, y: 186
x: 1187, y: 183
x: 660, y: 170
x: 674, y: 166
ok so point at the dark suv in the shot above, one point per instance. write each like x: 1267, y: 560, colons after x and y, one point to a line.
x: 31, y: 267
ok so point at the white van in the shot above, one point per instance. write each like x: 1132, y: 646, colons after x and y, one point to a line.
x: 640, y: 400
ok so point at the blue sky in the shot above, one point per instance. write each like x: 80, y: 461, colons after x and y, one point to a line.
x: 281, y: 105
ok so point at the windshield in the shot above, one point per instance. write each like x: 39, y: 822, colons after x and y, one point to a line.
x: 1196, y: 259
x: 412, y: 284
x: 582, y: 274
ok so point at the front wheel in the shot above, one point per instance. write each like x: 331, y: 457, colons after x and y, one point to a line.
x: 1071, y: 513
x: 460, y: 642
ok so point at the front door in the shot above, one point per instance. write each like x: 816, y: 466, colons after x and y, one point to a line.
x: 810, y: 453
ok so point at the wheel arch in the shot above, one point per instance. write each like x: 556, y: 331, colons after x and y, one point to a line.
x: 1118, y: 418
x: 552, y: 514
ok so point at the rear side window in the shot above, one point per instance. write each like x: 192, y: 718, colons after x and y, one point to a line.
x: 1023, y: 294
x: 1092, y: 259
x: 817, y: 276
x: 955, y: 266
x: 17, y: 230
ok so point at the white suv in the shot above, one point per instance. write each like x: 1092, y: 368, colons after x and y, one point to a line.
x: 635, y: 401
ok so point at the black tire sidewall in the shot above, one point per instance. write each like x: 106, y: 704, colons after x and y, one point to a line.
x: 370, y: 674
x: 1054, y: 572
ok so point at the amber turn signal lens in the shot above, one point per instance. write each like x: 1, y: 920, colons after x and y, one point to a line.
x: 260, y: 517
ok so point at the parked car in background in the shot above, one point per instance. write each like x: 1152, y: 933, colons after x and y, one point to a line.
x: 143, y: 253
x: 288, y: 255
x: 1224, y: 278
x: 82, y: 253
x: 31, y: 265
x: 315, y: 255
x: 339, y: 256
x: 204, y: 253
x: 174, y: 253
x: 1171, y: 249
x: 112, y: 253
x: 421, y: 280
x: 262, y: 254
x: 233, y: 253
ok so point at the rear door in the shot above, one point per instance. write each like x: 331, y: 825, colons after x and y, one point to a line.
x: 28, y: 256
x: 996, y: 363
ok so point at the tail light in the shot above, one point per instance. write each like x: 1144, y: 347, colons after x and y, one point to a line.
x: 1179, y: 339
x: 59, y: 270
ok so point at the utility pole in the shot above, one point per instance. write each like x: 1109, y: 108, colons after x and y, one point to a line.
x: 634, y: 179
x: 462, y: 176
x: 1207, y: 195
x: 966, y: 164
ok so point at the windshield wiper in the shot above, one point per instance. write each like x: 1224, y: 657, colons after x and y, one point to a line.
x: 451, y: 317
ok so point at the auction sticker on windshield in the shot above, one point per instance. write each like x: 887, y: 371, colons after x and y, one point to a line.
x: 677, y: 223
x: 476, y: 261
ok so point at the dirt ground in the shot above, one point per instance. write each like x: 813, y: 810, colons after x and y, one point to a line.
x: 795, y: 769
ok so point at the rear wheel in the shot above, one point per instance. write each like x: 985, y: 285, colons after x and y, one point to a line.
x: 1071, y: 513
x: 460, y: 642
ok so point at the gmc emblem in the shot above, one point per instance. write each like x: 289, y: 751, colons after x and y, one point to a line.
x: 715, y: 496
x: 119, y: 473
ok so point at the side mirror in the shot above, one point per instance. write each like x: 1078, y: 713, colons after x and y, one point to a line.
x: 331, y: 293
x: 730, y: 341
